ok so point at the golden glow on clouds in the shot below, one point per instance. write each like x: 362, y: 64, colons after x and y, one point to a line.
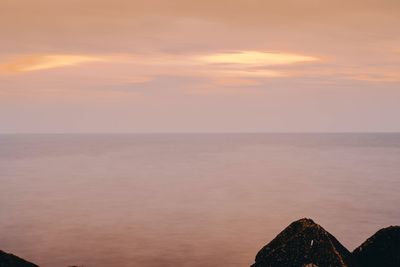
x: 141, y: 68
x: 250, y: 65
x: 251, y: 73
x: 42, y: 62
x: 257, y: 58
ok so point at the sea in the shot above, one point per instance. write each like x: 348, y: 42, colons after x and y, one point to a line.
x: 127, y: 200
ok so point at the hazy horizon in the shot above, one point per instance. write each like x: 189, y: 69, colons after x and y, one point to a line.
x: 191, y: 132
x: 200, y: 133
x: 199, y: 66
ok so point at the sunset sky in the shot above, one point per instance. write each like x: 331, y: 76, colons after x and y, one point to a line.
x: 199, y: 66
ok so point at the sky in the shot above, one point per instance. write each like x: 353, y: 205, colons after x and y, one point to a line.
x: 199, y: 66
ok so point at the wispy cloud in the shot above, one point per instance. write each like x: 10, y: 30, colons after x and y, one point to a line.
x: 43, y: 62
x: 245, y: 64
x: 257, y: 58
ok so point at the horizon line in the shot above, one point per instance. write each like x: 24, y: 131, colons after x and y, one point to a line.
x: 208, y: 132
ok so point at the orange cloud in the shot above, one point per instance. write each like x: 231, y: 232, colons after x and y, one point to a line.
x: 42, y: 62
x: 257, y: 58
x: 222, y: 66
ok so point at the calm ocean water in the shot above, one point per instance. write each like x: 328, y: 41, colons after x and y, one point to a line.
x: 188, y: 199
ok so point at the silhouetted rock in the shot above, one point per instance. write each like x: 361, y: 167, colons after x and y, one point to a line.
x: 10, y: 260
x: 304, y: 243
x: 381, y: 249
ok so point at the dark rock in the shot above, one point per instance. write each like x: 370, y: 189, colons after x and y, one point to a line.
x: 10, y: 260
x: 381, y: 249
x: 304, y: 243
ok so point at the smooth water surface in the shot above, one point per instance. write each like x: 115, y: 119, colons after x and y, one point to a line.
x: 101, y: 200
